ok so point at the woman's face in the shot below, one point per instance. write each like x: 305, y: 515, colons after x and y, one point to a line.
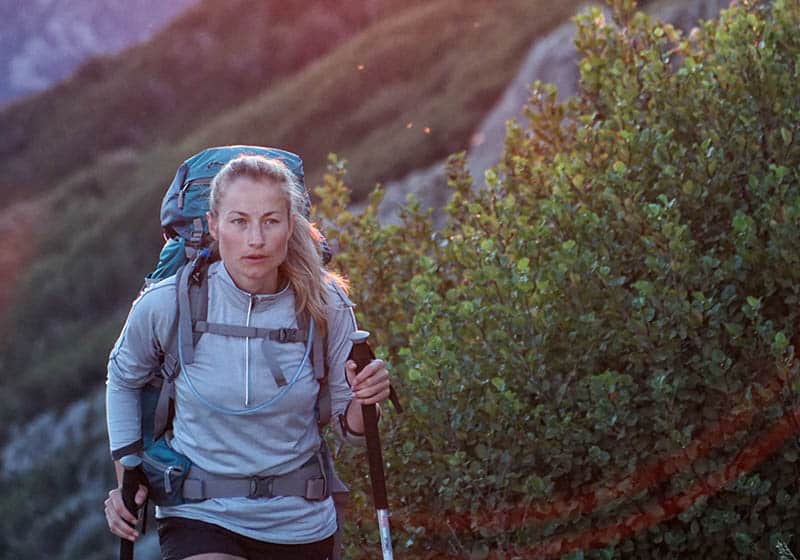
x: 252, y: 227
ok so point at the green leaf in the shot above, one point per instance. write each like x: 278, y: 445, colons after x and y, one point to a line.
x: 599, y: 456
x: 605, y: 553
x: 644, y: 287
x: 718, y: 356
x: 734, y: 329
x: 779, y: 342
x: 754, y: 303
x: 741, y: 223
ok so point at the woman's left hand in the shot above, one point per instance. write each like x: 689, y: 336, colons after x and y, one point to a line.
x: 371, y: 385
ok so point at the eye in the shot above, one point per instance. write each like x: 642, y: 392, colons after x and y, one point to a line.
x: 239, y: 221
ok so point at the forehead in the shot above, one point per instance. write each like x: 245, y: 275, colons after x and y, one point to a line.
x: 245, y: 194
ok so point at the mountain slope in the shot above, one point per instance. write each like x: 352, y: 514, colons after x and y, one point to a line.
x: 210, y: 59
x: 43, y: 41
x: 403, y: 94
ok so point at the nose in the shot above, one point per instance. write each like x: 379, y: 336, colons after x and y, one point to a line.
x: 255, y: 237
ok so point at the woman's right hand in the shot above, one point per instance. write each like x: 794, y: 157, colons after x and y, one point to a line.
x: 121, y: 521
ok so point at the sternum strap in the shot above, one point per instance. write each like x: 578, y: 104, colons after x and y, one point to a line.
x: 278, y: 335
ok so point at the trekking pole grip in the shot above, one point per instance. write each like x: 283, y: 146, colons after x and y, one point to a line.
x: 362, y: 355
x: 130, y: 485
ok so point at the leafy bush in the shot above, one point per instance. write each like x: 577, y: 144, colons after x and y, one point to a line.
x: 597, y: 352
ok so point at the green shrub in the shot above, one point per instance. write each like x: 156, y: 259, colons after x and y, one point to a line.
x: 597, y: 351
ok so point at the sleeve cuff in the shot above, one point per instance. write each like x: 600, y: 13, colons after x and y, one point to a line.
x: 347, y: 433
x: 135, y: 447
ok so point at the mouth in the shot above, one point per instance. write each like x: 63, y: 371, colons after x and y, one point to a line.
x: 254, y: 258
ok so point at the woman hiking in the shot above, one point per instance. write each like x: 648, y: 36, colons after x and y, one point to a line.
x: 269, y: 275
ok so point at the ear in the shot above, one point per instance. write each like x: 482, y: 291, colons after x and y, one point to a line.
x: 212, y: 224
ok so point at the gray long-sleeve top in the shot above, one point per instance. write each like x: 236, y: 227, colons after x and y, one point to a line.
x: 233, y: 373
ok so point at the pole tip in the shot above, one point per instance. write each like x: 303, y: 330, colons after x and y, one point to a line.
x: 358, y: 337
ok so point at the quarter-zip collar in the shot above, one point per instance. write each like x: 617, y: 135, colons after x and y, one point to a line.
x: 239, y: 297
x: 246, y: 305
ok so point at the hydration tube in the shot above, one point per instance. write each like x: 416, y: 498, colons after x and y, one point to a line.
x: 244, y: 411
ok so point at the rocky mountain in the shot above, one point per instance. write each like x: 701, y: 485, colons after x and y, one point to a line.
x: 44, y: 41
x: 552, y: 59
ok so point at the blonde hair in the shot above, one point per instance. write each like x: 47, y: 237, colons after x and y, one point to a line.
x: 303, y: 267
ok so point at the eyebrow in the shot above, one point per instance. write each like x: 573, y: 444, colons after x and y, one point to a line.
x: 241, y: 213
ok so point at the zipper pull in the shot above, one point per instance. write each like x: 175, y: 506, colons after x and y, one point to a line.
x: 247, y: 354
x: 167, y: 480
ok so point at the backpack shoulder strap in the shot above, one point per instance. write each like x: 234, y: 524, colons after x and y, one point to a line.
x: 191, y: 286
x: 192, y: 293
x: 198, y: 300
x: 319, y: 364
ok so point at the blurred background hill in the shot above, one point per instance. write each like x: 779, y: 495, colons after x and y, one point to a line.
x: 44, y: 41
x: 392, y: 86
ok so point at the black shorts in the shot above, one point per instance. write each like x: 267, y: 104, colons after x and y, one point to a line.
x: 181, y: 538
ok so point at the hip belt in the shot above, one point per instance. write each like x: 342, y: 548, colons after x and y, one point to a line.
x: 309, y: 482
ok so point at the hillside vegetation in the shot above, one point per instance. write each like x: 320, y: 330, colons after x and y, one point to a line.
x: 598, y: 352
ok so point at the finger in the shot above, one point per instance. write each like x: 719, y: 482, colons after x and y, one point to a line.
x: 372, y: 394
x: 118, y: 526
x: 374, y: 384
x: 124, y: 531
x: 350, y: 370
x: 374, y: 399
x: 118, y: 507
x: 141, y: 495
x: 125, y: 514
x: 370, y: 370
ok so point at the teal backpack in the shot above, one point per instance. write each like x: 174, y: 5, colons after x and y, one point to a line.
x: 184, y: 206
x: 186, y: 255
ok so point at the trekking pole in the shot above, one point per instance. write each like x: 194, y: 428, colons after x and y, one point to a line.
x: 130, y: 485
x: 362, y: 355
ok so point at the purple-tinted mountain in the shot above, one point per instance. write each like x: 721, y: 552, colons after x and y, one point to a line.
x: 44, y: 41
